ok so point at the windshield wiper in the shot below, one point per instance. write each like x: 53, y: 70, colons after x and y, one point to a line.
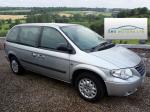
x: 102, y: 46
x: 98, y: 46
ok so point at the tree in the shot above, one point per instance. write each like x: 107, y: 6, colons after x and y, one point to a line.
x: 1, y: 22
x: 132, y: 12
x: 97, y: 27
x: 143, y: 10
x: 11, y: 25
x: 122, y: 14
x: 17, y: 21
x: 9, y: 21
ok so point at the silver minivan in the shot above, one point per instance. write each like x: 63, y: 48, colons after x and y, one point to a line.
x: 75, y: 54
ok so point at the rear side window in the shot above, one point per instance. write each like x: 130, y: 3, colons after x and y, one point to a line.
x: 13, y: 34
x: 51, y: 38
x: 29, y: 36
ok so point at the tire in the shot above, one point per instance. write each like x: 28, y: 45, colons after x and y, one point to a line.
x: 96, y: 83
x: 16, y: 66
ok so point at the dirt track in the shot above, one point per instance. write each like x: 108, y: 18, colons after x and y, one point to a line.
x: 31, y: 93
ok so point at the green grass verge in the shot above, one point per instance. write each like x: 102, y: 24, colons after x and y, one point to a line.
x: 133, y: 41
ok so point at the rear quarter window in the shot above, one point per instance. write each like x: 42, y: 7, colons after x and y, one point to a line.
x: 29, y: 35
x: 13, y: 35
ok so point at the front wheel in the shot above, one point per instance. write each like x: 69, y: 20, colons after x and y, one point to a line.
x: 90, y: 87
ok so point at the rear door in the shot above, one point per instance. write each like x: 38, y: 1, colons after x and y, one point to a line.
x: 27, y: 46
x: 52, y: 62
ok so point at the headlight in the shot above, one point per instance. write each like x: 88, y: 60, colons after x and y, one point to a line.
x: 122, y: 73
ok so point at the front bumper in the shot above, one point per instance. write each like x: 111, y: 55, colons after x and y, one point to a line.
x: 119, y: 87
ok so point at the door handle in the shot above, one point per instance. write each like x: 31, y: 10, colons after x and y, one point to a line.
x: 34, y: 54
x: 40, y: 56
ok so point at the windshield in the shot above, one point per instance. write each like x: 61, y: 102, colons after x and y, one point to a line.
x: 83, y: 37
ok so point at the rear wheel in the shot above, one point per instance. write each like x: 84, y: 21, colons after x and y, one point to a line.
x: 90, y: 87
x: 15, y: 66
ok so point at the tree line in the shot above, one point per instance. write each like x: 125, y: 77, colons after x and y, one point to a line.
x: 95, y: 22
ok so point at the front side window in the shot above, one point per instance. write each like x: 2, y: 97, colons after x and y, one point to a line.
x: 83, y: 37
x: 29, y: 35
x: 52, y: 39
x: 13, y: 34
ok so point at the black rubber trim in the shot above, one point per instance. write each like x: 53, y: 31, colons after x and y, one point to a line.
x: 44, y: 66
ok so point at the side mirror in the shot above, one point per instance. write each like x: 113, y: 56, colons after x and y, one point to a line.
x: 65, y: 48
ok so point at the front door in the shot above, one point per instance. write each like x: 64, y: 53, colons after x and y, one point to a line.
x: 52, y: 62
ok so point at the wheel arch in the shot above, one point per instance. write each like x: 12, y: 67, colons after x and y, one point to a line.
x: 86, y: 68
x: 78, y: 71
x: 11, y: 55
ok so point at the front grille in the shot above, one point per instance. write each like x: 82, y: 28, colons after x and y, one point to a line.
x: 140, y: 68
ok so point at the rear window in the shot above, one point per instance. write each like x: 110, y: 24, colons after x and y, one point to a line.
x: 13, y: 34
x: 29, y: 36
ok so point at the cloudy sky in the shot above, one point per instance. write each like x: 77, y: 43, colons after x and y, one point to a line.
x: 77, y: 3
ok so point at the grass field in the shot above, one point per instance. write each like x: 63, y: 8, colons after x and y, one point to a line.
x: 65, y: 14
x: 12, y: 17
x: 15, y: 11
x: 6, y: 26
x: 85, y: 13
x: 4, y: 29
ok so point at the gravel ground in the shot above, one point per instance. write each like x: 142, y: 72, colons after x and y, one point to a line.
x: 33, y: 93
x: 1, y: 43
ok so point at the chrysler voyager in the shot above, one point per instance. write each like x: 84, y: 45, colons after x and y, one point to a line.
x: 77, y: 55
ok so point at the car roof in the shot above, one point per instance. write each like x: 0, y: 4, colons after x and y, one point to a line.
x: 47, y: 24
